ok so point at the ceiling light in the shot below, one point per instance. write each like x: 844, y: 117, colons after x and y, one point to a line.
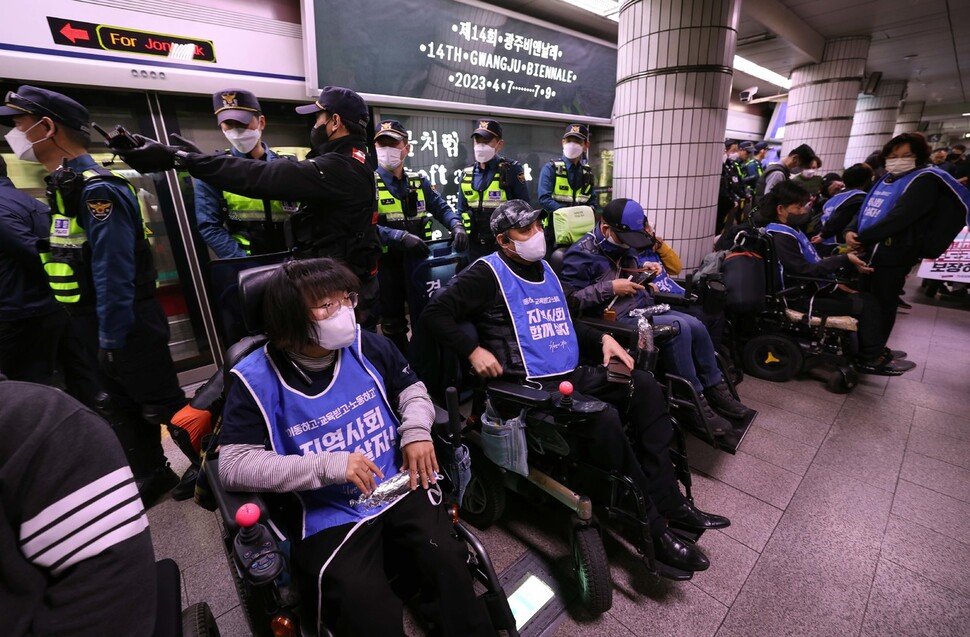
x: 966, y: 114
x: 760, y: 72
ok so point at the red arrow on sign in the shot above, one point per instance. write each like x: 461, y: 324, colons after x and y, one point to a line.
x: 73, y: 34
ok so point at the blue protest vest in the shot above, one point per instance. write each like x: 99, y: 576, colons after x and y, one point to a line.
x: 662, y: 282
x: 351, y: 414
x: 543, y: 330
x: 832, y: 205
x: 808, y: 250
x: 885, y: 194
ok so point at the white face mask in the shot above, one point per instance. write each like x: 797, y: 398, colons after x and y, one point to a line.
x: 484, y: 153
x: 533, y: 248
x: 572, y: 150
x: 808, y: 173
x: 22, y: 147
x: 733, y: 156
x: 337, y: 331
x: 901, y: 165
x: 389, y: 158
x: 243, y: 139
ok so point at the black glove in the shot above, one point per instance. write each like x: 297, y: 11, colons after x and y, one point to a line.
x: 109, y: 360
x: 150, y: 156
x: 459, y: 240
x: 183, y: 144
x: 414, y: 246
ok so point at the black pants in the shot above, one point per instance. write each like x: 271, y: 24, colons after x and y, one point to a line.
x: 864, y: 306
x: 31, y: 349
x: 884, y: 284
x: 144, y: 392
x: 369, y: 304
x: 647, y: 462
x: 394, y: 285
x: 353, y: 588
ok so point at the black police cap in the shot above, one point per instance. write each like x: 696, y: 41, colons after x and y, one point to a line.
x: 31, y: 100
x: 235, y: 104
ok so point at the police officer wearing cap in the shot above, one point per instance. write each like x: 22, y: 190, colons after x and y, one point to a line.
x: 567, y: 181
x: 485, y: 184
x: 406, y: 204
x: 235, y: 225
x: 100, y: 266
x: 334, y: 185
x: 753, y: 168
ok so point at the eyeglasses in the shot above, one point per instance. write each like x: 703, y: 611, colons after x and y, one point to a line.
x: 330, y: 308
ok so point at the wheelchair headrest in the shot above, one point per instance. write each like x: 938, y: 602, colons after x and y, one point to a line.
x: 252, y: 285
x: 556, y: 260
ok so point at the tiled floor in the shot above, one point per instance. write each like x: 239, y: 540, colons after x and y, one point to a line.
x: 851, y: 514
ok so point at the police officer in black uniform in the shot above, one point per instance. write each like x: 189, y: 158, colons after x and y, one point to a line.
x: 485, y: 184
x: 100, y: 266
x: 334, y: 184
x: 406, y: 205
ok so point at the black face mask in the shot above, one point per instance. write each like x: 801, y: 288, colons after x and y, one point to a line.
x: 319, y: 136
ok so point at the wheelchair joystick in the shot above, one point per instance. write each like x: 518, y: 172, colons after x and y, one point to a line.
x: 255, y: 548
x: 566, y: 389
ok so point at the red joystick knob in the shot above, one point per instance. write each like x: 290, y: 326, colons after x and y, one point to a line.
x: 247, y: 515
x: 566, y: 388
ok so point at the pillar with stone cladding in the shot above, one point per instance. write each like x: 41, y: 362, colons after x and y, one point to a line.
x: 822, y: 100
x: 674, y: 72
x: 873, y: 122
x: 910, y: 114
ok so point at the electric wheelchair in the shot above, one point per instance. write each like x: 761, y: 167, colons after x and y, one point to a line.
x: 258, y: 550
x: 592, y: 494
x: 778, y: 342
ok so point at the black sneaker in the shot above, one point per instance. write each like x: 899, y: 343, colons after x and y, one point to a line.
x: 884, y: 366
x: 902, y: 304
x: 156, y: 484
x: 895, y: 353
x: 708, y: 419
x: 722, y: 400
x: 185, y: 489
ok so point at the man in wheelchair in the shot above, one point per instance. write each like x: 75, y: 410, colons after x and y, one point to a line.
x: 280, y: 434
x: 600, y: 273
x: 517, y: 305
x: 785, y: 210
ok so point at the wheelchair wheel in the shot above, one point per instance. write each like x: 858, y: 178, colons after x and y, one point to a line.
x: 772, y: 357
x: 198, y: 621
x: 842, y: 381
x: 484, y: 500
x: 592, y: 570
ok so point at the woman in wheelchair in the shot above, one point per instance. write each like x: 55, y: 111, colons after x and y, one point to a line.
x: 327, y: 411
x: 785, y: 211
x: 518, y: 307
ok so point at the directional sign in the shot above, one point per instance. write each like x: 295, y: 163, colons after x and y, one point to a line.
x: 125, y: 40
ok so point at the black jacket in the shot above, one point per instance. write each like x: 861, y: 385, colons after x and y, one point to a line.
x: 24, y: 230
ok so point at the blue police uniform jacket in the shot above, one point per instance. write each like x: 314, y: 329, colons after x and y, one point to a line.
x: 831, y: 206
x: 808, y: 250
x: 540, y: 318
x: 24, y: 223
x: 884, y: 195
x: 662, y: 281
x: 351, y: 414
x: 547, y: 182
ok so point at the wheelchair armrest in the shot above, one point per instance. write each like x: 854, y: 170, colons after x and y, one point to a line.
x: 679, y: 300
x: 230, y: 501
x: 519, y: 394
x: 625, y: 333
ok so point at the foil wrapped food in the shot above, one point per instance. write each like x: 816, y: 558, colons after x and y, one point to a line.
x: 386, y: 492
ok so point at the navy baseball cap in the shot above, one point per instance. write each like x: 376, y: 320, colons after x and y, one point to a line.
x: 236, y: 104
x: 579, y: 131
x: 748, y: 146
x: 489, y: 129
x: 514, y: 214
x: 31, y: 100
x: 391, y: 128
x: 342, y: 101
x: 627, y: 219
x: 760, y: 146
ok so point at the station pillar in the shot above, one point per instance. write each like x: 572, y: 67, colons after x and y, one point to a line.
x: 674, y: 72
